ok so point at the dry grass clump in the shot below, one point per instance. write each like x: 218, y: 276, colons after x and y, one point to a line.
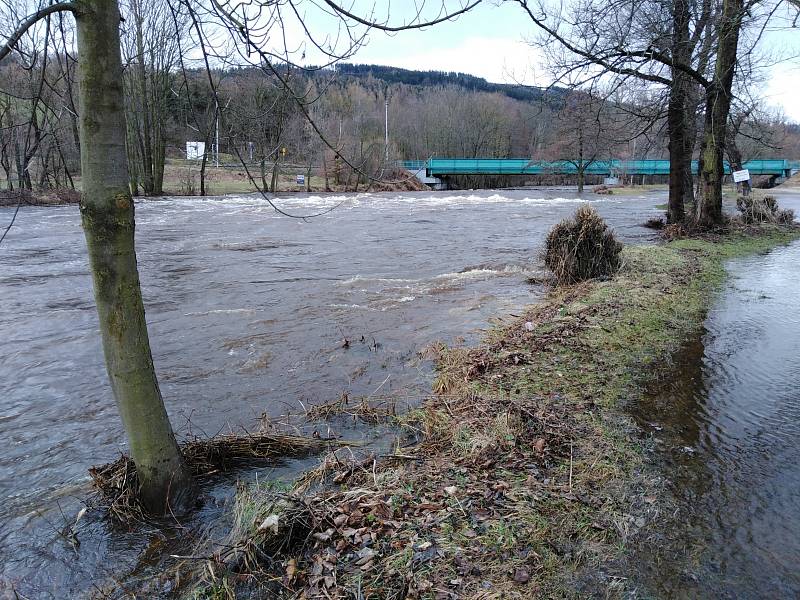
x: 763, y: 210
x: 582, y: 248
x: 603, y: 190
x: 118, y: 484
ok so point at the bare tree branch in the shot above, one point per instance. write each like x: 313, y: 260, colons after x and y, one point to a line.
x: 30, y: 21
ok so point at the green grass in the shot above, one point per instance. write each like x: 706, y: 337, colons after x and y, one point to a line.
x: 603, y: 342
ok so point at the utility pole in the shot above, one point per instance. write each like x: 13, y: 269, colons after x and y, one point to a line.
x: 216, y: 144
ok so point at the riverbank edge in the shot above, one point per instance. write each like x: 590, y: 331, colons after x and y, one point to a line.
x: 529, y: 478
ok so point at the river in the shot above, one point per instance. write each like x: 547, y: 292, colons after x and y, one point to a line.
x: 248, y: 312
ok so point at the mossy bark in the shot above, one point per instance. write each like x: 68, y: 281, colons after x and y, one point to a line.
x: 708, y: 208
x: 680, y: 160
x: 108, y: 221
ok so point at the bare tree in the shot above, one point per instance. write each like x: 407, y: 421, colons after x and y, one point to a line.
x: 150, y: 47
x: 107, y: 214
x: 583, y: 133
x: 631, y: 40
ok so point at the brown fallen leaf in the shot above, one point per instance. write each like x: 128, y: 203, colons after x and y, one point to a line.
x: 291, y: 570
x: 521, y: 575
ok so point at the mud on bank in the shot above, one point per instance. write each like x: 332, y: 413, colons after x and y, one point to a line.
x: 528, y: 478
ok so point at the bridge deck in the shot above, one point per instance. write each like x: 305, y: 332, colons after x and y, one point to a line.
x: 442, y: 167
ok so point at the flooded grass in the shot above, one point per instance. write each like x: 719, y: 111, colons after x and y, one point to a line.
x: 118, y: 485
x: 530, y: 477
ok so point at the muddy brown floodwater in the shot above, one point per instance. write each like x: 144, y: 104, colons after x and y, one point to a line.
x: 728, y: 426
x: 247, y: 312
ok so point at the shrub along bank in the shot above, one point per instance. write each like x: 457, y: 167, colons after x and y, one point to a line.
x: 528, y: 477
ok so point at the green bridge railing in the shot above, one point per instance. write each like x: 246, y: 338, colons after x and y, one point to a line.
x: 442, y: 167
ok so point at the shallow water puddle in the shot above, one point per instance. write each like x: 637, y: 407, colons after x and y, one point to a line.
x: 728, y: 425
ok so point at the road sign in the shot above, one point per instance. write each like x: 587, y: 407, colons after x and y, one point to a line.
x: 740, y: 176
x: 301, y: 179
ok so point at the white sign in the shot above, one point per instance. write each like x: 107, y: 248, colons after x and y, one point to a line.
x: 740, y: 176
x: 195, y: 150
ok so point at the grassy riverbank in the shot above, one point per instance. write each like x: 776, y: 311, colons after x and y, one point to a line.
x: 528, y: 479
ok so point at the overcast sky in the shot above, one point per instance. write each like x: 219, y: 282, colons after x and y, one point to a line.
x: 490, y: 42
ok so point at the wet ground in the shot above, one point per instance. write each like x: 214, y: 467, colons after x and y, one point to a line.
x: 247, y: 312
x: 728, y: 426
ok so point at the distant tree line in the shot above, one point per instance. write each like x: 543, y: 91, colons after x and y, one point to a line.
x: 449, y: 78
x: 258, y: 121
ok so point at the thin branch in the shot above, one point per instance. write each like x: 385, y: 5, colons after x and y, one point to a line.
x: 29, y: 22
x: 411, y: 25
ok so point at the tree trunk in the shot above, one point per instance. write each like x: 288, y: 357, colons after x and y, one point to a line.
x: 21, y: 171
x: 273, y: 186
x: 308, y: 179
x: 107, y: 214
x: 736, y: 162
x: 146, y: 163
x: 159, y: 159
x: 203, y: 163
x: 689, y: 139
x: 264, y: 185
x: 708, y: 208
x: 679, y: 161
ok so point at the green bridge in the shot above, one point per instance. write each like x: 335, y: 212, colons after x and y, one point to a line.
x: 444, y: 167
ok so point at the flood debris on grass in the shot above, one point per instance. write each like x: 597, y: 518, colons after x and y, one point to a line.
x: 529, y: 478
x: 117, y: 482
x: 367, y: 409
x: 655, y: 223
x: 582, y: 247
x: 50, y: 197
x: 755, y: 209
x: 603, y: 190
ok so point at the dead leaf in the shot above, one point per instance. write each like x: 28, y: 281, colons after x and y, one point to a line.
x: 269, y: 524
x: 291, y: 570
x: 521, y: 575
